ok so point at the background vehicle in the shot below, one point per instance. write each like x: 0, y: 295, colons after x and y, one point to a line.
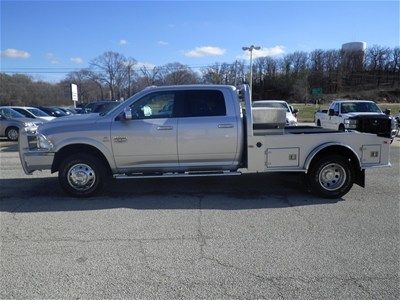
x: 100, y: 106
x: 291, y: 113
x: 53, y: 111
x: 197, y: 130
x: 32, y: 112
x: 11, y: 122
x: 68, y: 111
x: 360, y: 115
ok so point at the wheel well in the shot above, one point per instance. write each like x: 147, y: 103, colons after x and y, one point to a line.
x: 341, y: 125
x: 338, y: 150
x: 78, y: 148
x: 9, y: 127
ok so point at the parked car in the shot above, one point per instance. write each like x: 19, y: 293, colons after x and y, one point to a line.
x: 291, y: 113
x: 12, y: 122
x: 32, y: 112
x: 197, y: 130
x: 360, y: 115
x: 53, y: 111
x: 100, y: 106
x: 69, y: 110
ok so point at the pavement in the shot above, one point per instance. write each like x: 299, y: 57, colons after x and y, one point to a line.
x: 244, y: 237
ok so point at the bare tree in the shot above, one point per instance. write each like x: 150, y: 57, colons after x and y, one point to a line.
x: 111, y: 68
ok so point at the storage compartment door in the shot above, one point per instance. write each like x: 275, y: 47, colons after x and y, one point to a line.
x: 282, y: 157
x: 371, y: 154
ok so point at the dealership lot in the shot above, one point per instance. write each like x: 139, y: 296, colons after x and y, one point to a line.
x: 236, y: 237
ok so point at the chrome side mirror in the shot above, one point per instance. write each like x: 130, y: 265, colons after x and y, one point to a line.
x: 127, y: 114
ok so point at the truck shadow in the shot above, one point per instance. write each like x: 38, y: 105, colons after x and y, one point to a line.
x: 223, y: 193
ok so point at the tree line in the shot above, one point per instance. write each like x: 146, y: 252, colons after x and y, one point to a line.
x: 297, y: 77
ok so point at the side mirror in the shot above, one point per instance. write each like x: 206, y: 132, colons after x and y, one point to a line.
x: 295, y: 111
x: 127, y: 114
x: 387, y: 112
x: 331, y: 112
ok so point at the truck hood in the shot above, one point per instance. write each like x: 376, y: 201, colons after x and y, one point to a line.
x: 355, y: 114
x: 70, y: 120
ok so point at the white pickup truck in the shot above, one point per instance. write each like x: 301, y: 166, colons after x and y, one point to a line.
x: 360, y: 115
x: 197, y: 130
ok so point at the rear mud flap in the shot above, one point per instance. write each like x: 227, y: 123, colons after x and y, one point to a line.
x: 360, y: 178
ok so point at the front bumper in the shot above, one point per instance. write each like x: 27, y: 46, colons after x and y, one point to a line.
x: 32, y: 158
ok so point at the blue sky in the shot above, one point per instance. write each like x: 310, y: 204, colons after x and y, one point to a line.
x: 63, y: 35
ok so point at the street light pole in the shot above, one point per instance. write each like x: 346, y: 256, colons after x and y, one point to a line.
x: 251, y: 48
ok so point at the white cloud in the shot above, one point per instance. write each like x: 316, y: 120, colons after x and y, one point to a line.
x: 273, y: 51
x: 14, y: 53
x: 123, y: 42
x: 205, y: 51
x: 76, y: 60
x: 52, y: 58
x: 146, y: 65
x: 162, y: 43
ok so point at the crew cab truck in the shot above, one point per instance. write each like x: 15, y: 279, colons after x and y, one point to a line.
x: 197, y: 130
x: 360, y: 115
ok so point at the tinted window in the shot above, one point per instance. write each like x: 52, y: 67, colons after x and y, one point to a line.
x: 10, y: 113
x: 23, y: 112
x: 203, y: 103
x: 336, y: 108
x: 37, y: 112
x: 154, y: 106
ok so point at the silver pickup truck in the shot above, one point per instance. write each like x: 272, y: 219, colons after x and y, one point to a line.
x: 197, y: 130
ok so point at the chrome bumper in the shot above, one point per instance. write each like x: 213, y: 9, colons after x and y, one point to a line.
x: 32, y: 158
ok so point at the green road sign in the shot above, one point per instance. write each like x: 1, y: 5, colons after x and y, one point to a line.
x: 316, y: 91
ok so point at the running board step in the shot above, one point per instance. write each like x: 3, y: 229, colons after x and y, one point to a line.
x: 172, y: 175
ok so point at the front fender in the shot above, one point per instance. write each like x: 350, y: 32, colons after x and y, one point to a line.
x: 91, y: 142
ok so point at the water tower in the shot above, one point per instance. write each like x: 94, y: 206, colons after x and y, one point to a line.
x: 353, y: 55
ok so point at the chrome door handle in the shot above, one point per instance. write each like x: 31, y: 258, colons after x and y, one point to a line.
x: 225, y: 125
x: 165, y: 127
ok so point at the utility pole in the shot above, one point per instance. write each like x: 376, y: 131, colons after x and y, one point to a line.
x: 251, y: 48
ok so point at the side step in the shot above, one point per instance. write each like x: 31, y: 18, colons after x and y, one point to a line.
x: 172, y: 175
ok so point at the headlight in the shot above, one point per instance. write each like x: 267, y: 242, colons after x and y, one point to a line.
x: 350, y: 123
x: 43, y: 142
x: 29, y: 124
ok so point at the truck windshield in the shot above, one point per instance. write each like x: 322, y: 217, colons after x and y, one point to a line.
x: 350, y: 107
x: 271, y: 104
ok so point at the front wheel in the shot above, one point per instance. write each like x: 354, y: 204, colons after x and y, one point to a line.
x: 331, y: 176
x: 81, y: 175
x: 12, y: 133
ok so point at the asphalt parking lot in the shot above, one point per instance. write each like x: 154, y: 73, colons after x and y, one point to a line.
x: 237, y: 237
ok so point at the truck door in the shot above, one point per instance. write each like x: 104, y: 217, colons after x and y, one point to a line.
x: 331, y: 120
x: 149, y: 139
x: 207, y: 131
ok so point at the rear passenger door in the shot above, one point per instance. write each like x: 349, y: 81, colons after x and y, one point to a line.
x: 207, y: 133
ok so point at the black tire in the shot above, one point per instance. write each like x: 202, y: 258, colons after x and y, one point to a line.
x: 12, y: 133
x: 82, y: 165
x: 341, y: 127
x: 319, y: 123
x: 323, y: 184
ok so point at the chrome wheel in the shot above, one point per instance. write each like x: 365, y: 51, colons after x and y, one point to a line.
x: 12, y: 134
x: 81, y: 177
x: 332, y: 177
